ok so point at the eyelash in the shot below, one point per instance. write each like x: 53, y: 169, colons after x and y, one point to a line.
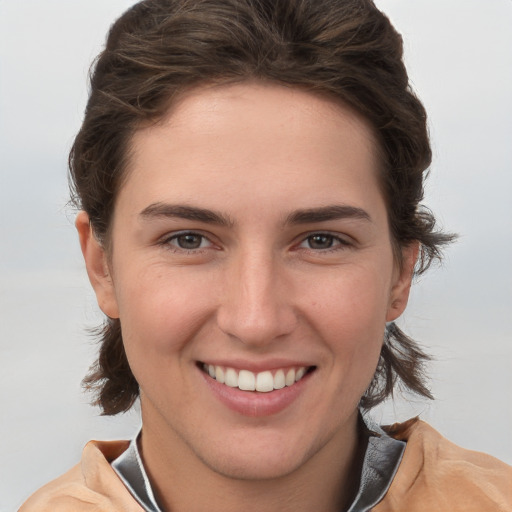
x: 167, y: 242
x: 337, y: 243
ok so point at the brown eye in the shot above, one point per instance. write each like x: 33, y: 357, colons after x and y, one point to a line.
x: 187, y: 241
x: 320, y: 241
x: 324, y: 242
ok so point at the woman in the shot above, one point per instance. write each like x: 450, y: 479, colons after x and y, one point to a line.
x: 249, y: 175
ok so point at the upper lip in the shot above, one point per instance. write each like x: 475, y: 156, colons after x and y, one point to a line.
x: 257, y: 366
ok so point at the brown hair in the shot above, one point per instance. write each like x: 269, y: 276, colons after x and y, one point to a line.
x: 346, y: 49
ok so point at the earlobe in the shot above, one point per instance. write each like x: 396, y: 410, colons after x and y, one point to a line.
x: 97, y: 266
x: 401, y: 288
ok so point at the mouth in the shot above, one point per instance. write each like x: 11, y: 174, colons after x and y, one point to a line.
x: 262, y: 382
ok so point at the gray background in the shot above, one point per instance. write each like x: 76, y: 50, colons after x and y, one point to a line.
x: 459, y: 57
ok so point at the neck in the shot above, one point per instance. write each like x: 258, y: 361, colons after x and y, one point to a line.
x: 326, y: 481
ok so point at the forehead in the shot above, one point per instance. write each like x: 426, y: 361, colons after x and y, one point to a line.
x: 214, y: 96
x: 263, y: 136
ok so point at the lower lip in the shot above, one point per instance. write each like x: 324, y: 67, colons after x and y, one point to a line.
x: 254, y: 403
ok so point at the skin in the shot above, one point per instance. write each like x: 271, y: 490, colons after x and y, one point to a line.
x: 258, y: 290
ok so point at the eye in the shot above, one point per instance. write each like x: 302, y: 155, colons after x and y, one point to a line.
x: 320, y: 241
x: 323, y: 241
x: 187, y: 241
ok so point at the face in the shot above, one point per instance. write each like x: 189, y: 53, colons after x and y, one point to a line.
x: 253, y: 273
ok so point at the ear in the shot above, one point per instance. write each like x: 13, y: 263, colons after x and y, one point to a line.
x: 97, y: 266
x: 402, y: 282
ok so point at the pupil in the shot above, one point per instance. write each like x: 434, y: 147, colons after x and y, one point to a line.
x: 320, y: 242
x: 189, y: 241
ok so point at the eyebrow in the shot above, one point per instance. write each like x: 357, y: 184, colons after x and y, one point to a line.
x: 306, y: 216
x: 326, y: 213
x: 178, y: 211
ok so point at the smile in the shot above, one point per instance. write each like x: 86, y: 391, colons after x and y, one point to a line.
x: 264, y: 382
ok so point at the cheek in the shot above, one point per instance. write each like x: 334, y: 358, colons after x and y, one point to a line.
x: 160, y: 317
x: 351, y: 302
x: 350, y: 317
x: 160, y: 312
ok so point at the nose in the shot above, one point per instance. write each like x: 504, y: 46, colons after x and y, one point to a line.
x: 256, y: 306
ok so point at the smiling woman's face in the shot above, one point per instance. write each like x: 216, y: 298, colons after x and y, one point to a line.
x: 251, y: 248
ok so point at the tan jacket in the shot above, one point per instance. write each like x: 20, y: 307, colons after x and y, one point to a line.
x: 434, y: 476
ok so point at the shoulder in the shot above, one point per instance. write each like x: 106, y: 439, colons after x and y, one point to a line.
x: 436, y: 474
x: 91, y: 485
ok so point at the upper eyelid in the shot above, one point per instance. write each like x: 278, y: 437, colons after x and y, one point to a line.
x: 337, y: 242
x: 175, y: 234
x: 342, y: 237
x: 343, y: 242
x: 169, y: 237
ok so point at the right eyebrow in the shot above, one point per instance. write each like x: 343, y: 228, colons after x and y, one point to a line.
x: 180, y: 211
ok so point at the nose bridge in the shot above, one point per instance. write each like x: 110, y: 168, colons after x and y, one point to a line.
x: 255, y: 308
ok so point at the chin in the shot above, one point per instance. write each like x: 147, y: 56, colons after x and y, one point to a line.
x: 253, y: 468
x: 262, y: 457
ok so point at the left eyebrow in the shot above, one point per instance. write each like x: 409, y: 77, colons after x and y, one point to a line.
x: 326, y: 213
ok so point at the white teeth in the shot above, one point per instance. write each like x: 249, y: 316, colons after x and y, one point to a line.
x: 263, y: 382
x: 246, y: 380
x: 231, y: 378
x: 299, y: 374
x: 290, y: 377
x: 219, y: 374
x: 279, y: 381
